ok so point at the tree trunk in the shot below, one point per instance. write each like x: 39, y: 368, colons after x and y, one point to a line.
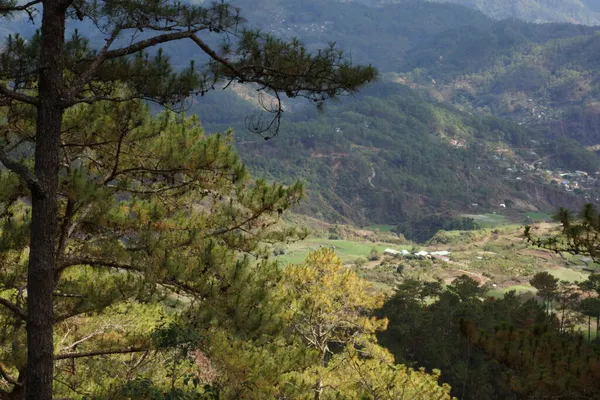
x: 40, y: 277
x: 318, y: 389
x: 319, y: 384
x: 589, y: 329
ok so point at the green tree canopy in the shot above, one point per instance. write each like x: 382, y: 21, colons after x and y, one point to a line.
x: 59, y: 68
x: 330, y: 309
x: 156, y: 218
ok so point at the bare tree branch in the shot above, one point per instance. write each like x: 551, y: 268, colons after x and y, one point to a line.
x: 211, y: 53
x: 16, y: 310
x: 8, y: 378
x: 64, y: 230
x: 18, y: 96
x: 23, y: 7
x: 88, y: 337
x: 72, y: 261
x: 73, y: 355
x: 24, y: 172
x: 144, y: 44
x: 239, y: 225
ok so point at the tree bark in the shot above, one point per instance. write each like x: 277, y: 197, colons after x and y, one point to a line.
x: 589, y: 329
x: 40, y: 276
x: 318, y: 389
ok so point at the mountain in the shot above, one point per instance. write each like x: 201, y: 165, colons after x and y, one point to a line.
x: 585, y: 12
x: 390, y: 155
x: 406, y: 147
x: 430, y: 137
x: 550, y: 86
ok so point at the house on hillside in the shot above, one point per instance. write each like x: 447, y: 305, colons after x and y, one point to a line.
x: 391, y: 252
x: 440, y: 255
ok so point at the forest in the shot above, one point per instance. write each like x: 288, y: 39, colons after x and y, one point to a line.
x: 155, y: 155
x: 402, y: 128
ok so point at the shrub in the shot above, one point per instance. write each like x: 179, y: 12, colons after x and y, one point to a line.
x: 374, y: 255
x: 360, y: 262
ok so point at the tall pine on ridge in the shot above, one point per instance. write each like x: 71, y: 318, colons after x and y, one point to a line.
x: 67, y: 72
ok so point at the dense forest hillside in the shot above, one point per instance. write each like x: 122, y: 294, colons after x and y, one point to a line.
x: 392, y: 154
x: 388, y: 156
x: 400, y: 151
x: 552, y: 86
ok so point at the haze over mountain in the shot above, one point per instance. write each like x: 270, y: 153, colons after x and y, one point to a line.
x: 428, y: 228
x: 427, y: 138
x: 573, y: 11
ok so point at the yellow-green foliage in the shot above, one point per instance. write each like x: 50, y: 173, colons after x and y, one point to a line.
x: 330, y: 309
x: 325, y: 347
x: 159, y: 223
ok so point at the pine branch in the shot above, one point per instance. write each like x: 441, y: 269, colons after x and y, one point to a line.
x: 211, y: 53
x: 24, y: 7
x: 8, y: 378
x: 105, y: 55
x: 34, y: 101
x: 24, y: 172
x: 246, y: 221
x: 16, y: 310
x: 87, y: 75
x: 73, y: 261
x: 73, y: 355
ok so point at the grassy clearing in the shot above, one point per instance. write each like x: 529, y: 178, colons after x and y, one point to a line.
x: 488, y: 220
x: 499, y: 293
x: 380, y: 228
x: 539, y: 216
x: 348, y: 250
x: 567, y: 274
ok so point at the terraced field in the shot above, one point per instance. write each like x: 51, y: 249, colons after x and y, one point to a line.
x: 498, y: 256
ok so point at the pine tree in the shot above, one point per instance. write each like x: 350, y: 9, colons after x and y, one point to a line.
x: 151, y: 211
x: 52, y: 74
x: 547, y: 287
x: 580, y: 234
x: 329, y: 310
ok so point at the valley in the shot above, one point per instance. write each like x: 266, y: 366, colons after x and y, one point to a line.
x: 300, y: 200
x: 497, y: 256
x: 440, y: 131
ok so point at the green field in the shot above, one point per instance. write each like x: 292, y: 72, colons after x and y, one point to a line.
x: 488, y: 220
x: 498, y: 293
x: 571, y: 275
x: 539, y: 216
x: 348, y: 250
x: 491, y: 220
x: 380, y: 228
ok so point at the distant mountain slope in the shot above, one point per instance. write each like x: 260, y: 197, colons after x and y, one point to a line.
x: 539, y: 11
x: 382, y: 36
x: 389, y: 156
x: 552, y: 86
x: 392, y: 155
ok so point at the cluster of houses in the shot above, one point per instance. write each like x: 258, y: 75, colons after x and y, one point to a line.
x: 421, y: 255
x: 570, y: 181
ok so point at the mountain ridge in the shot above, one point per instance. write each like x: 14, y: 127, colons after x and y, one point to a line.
x: 586, y: 12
